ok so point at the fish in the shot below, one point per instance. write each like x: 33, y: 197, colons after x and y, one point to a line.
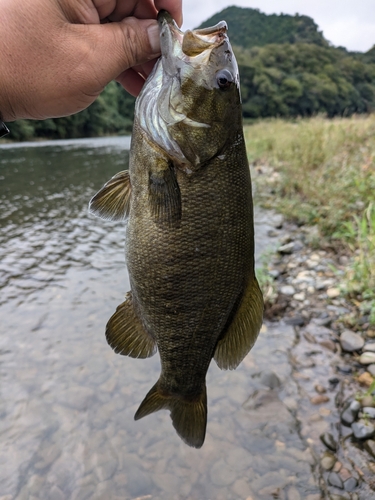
x: 189, y: 248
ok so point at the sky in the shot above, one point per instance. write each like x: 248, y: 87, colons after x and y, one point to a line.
x: 347, y: 23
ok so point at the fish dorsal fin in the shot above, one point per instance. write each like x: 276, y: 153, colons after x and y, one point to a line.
x: 126, y: 334
x: 189, y: 416
x: 112, y: 202
x: 165, y: 197
x: 242, y: 332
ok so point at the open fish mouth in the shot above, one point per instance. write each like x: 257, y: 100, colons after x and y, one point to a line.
x: 190, y: 43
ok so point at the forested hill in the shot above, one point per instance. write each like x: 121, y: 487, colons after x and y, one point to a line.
x: 287, y: 68
x: 252, y: 28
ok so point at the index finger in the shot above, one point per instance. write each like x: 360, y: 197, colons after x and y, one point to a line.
x: 174, y: 7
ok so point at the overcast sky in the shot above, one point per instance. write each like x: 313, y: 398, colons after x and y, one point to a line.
x: 350, y: 23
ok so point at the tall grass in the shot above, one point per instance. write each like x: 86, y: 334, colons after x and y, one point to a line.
x: 322, y: 172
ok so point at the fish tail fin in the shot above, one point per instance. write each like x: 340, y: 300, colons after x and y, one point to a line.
x: 189, y: 416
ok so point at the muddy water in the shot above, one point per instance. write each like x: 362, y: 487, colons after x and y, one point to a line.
x: 67, y: 401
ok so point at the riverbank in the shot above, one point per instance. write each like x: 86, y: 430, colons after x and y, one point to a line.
x: 311, y: 282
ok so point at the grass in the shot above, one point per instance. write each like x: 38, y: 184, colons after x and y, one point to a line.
x: 321, y: 173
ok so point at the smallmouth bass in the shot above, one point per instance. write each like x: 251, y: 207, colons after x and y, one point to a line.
x: 190, y: 236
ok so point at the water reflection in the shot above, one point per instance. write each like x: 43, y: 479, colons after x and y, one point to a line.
x: 67, y: 401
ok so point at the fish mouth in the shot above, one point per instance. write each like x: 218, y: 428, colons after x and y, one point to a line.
x: 191, y: 42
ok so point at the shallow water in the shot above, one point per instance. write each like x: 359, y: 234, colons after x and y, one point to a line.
x: 67, y: 401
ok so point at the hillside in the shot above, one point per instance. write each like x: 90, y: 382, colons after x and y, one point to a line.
x: 252, y: 28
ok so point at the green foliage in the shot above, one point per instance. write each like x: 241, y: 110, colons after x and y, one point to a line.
x: 252, y: 28
x: 111, y: 113
x: 304, y: 80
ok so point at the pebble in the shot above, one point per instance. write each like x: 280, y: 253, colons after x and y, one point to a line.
x: 320, y: 389
x: 270, y: 379
x: 350, y: 484
x: 299, y: 296
x: 287, y: 249
x: 370, y: 447
x: 371, y: 369
x: 367, y: 401
x: 318, y: 400
x: 327, y: 439
x: 328, y: 460
x: 287, y: 290
x: 350, y: 412
x: 221, y: 474
x: 335, y: 480
x: 365, y: 379
x: 367, y: 358
x: 351, y: 341
x: 332, y: 293
x: 369, y: 410
x: 345, y: 369
x: 363, y: 429
x: 369, y: 346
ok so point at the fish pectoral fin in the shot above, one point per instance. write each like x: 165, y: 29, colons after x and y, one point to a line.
x: 112, y: 202
x: 243, y: 330
x: 126, y: 334
x: 189, y: 416
x: 165, y: 197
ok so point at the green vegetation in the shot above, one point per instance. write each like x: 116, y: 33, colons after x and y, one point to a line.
x: 303, y: 80
x: 321, y: 173
x: 112, y: 113
x: 252, y: 28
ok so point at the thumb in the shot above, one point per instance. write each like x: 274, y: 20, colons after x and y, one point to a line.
x: 120, y: 46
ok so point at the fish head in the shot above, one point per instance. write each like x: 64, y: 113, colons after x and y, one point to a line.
x: 196, y: 93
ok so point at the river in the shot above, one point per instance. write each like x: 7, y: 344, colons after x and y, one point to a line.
x: 67, y: 400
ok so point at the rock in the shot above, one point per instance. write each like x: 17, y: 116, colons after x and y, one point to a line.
x: 337, y: 467
x: 318, y: 400
x: 369, y: 446
x: 370, y: 411
x: 277, y: 221
x: 369, y: 346
x: 367, y: 401
x: 345, y: 369
x: 320, y: 389
x: 328, y: 344
x: 287, y: 249
x: 328, y: 460
x: 295, y: 321
x: 350, y: 413
x: 363, y: 429
x: 350, y: 484
x: 371, y: 369
x: 334, y: 480
x: 287, y: 290
x: 370, y: 334
x: 351, y: 341
x: 270, y: 379
x: 301, y: 296
x: 344, y: 474
x: 332, y: 293
x: 365, y: 379
x: 367, y: 358
x: 328, y: 440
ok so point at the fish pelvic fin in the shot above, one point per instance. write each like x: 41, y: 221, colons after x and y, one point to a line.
x: 165, y: 197
x: 189, y: 416
x: 126, y: 334
x: 112, y: 202
x: 243, y: 330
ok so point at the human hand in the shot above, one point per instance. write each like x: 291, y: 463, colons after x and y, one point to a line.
x: 57, y: 57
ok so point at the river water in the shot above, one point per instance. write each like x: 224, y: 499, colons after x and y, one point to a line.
x: 67, y: 400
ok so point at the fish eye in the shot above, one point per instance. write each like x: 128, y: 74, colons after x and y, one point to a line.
x: 224, y: 79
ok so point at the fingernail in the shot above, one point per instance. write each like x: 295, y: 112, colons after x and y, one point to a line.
x: 154, y: 38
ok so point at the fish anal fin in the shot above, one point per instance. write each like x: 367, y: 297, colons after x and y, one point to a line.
x: 243, y: 330
x: 189, y: 416
x: 165, y: 196
x: 112, y: 201
x: 126, y: 334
